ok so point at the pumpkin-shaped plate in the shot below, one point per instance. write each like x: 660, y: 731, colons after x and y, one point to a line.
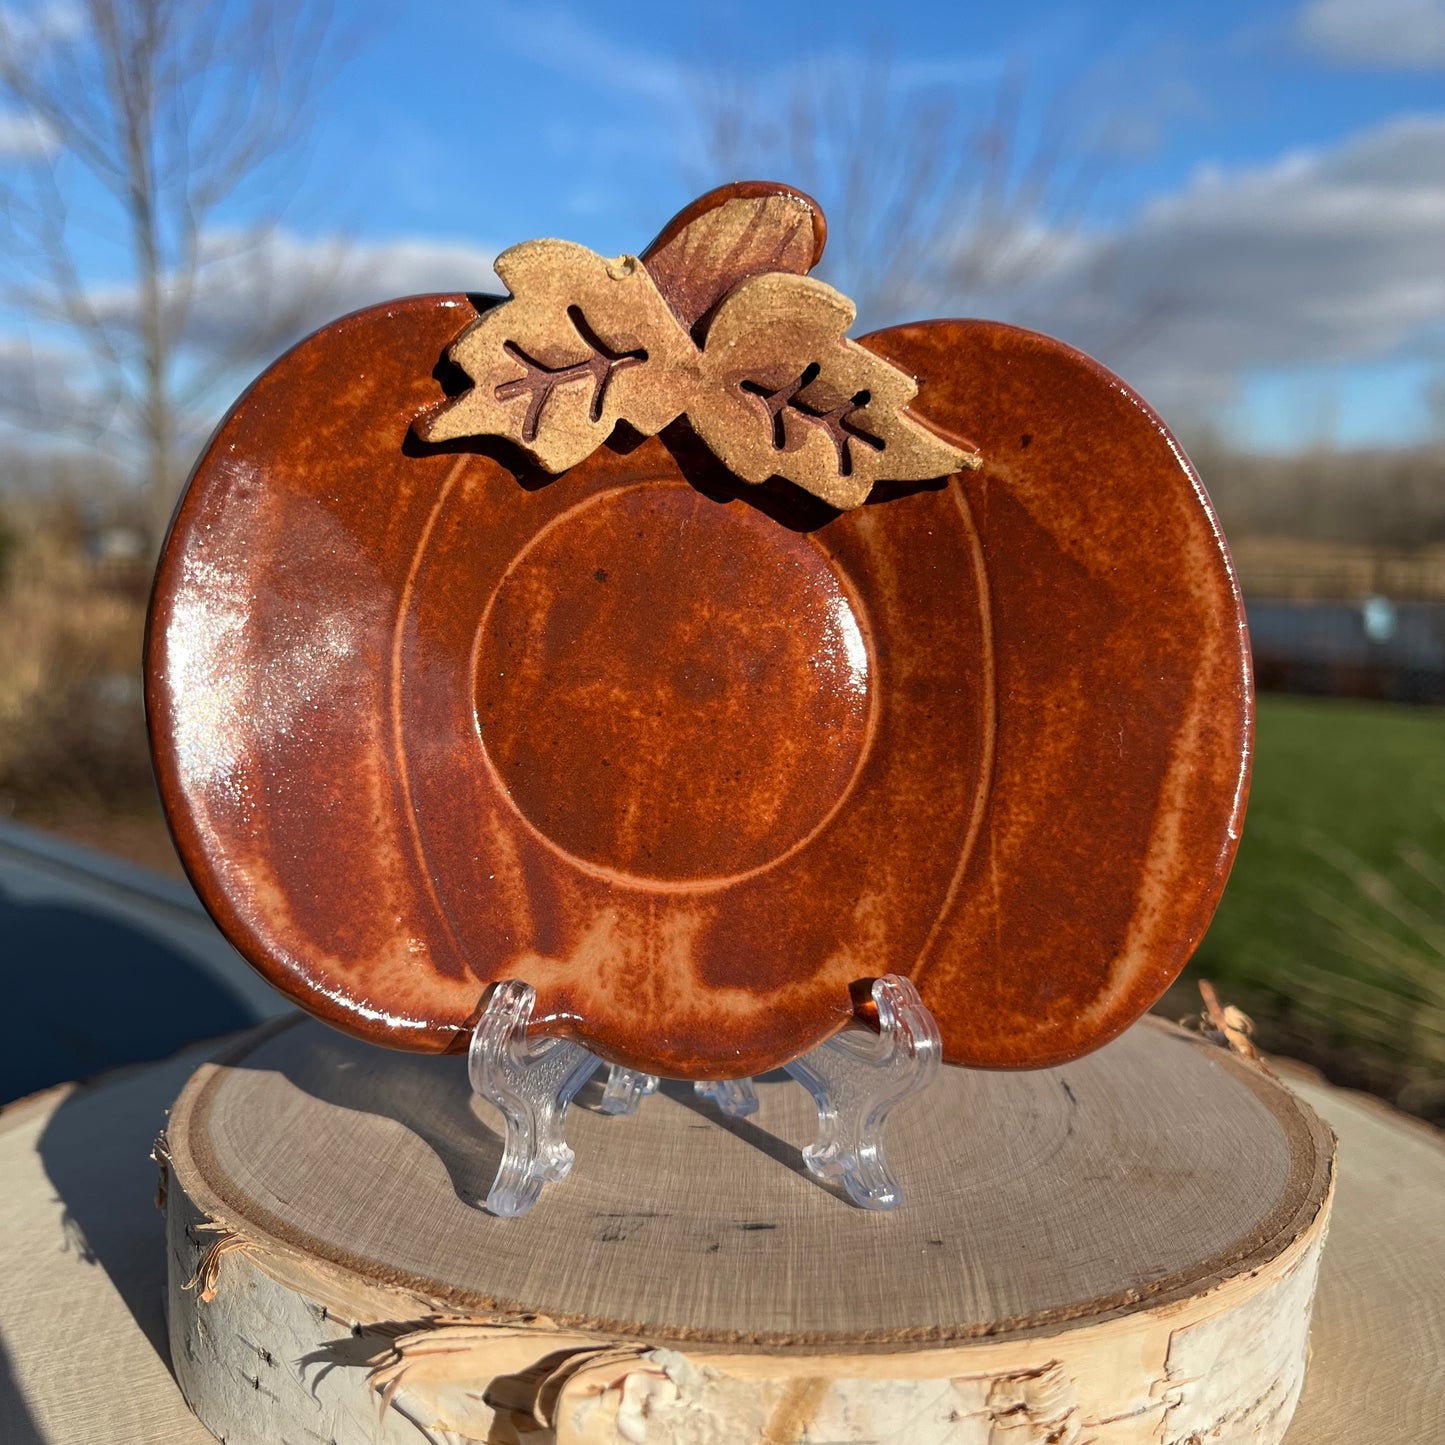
x: 695, y: 758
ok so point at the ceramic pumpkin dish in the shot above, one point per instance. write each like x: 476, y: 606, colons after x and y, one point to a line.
x: 642, y: 638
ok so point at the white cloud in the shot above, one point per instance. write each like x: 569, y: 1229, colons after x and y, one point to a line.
x: 409, y: 267
x: 49, y: 389
x: 1394, y: 34
x: 25, y: 138
x: 291, y: 285
x: 1331, y: 256
x: 1323, y: 257
x: 253, y: 291
x: 31, y: 28
x: 277, y: 284
x: 25, y: 34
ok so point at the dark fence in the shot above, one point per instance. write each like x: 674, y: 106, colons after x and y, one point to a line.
x: 1375, y: 648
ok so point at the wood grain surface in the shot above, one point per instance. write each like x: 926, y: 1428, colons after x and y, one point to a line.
x: 691, y: 757
x: 1151, y: 1169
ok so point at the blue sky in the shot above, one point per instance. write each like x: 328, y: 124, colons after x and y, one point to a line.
x: 442, y: 88
x: 1261, y: 247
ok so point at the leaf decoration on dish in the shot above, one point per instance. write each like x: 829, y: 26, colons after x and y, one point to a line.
x: 585, y: 342
x: 776, y: 389
x: 785, y: 393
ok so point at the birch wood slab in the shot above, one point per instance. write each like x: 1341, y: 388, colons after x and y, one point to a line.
x: 1118, y: 1251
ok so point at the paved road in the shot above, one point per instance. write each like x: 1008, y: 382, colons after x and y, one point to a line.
x: 103, y: 963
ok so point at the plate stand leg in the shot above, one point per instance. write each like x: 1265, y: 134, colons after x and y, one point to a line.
x: 732, y: 1096
x: 532, y: 1083
x: 856, y: 1079
x: 625, y: 1090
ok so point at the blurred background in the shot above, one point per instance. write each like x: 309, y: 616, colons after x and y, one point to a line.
x: 1238, y: 206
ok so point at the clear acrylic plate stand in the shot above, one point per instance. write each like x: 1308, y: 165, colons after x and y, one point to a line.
x: 855, y: 1078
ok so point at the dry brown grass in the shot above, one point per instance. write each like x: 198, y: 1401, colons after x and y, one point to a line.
x: 1390, y: 991
x: 71, y: 726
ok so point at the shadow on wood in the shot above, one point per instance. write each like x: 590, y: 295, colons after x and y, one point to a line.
x: 87, y: 992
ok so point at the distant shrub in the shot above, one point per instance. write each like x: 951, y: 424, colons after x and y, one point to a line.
x: 9, y: 545
x: 71, y: 724
x: 1385, y: 497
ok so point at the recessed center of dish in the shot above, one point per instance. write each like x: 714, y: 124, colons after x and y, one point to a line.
x: 671, y: 687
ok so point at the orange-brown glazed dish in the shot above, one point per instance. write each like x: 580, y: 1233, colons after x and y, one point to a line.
x: 694, y: 757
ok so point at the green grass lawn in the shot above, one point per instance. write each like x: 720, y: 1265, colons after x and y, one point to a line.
x: 1332, y: 929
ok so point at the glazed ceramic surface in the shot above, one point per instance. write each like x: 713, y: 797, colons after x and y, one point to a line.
x: 694, y: 758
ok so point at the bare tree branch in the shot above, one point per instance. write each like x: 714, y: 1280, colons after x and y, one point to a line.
x: 934, y: 193
x: 173, y: 109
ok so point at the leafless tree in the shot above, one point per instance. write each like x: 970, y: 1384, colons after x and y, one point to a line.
x: 1435, y: 409
x: 937, y: 190
x: 151, y: 122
